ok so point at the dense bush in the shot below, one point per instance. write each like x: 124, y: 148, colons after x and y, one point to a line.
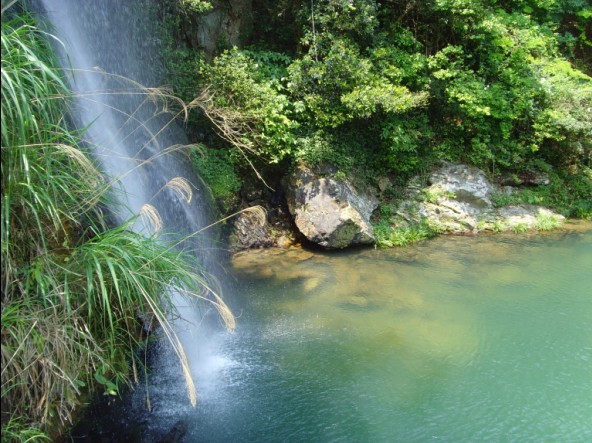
x: 245, y: 102
x: 390, y: 87
x: 216, y: 167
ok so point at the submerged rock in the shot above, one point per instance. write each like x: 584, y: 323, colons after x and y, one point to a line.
x: 329, y: 211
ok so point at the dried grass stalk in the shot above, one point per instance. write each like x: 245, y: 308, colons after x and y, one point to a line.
x: 181, y: 187
x: 150, y: 213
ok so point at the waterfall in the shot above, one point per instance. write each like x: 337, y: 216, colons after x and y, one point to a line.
x: 111, y: 54
x: 108, y: 51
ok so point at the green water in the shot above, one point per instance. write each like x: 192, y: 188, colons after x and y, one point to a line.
x: 457, y: 339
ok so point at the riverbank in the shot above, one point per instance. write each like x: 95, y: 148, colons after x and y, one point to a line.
x: 278, y: 262
x: 319, y: 208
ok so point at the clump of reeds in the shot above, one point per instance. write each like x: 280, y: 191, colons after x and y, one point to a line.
x: 73, y: 288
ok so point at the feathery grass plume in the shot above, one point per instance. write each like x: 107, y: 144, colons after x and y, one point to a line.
x: 258, y: 213
x: 160, y: 153
x: 159, y: 101
x: 149, y: 213
x: 181, y: 187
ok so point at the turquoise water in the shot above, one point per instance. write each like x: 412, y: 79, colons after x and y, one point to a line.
x: 457, y: 339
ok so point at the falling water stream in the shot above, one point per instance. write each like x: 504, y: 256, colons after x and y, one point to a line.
x: 110, y: 57
x: 458, y: 339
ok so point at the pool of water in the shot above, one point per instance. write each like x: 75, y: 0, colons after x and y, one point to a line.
x: 457, y: 339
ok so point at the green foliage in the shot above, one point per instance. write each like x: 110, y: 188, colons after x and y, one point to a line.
x: 358, y: 88
x: 405, y: 138
x: 398, y: 56
x: 499, y: 104
x: 26, y: 77
x: 568, y: 194
x: 388, y: 236
x: 432, y: 195
x: 197, y: 6
x: 547, y: 222
x: 344, y: 150
x: 247, y: 103
x: 183, y: 67
x: 342, y: 85
x: 390, y: 87
x: 566, y: 122
x: 391, y: 230
x: 17, y: 430
x: 270, y: 64
x: 520, y: 228
x: 318, y: 148
x: 217, y: 169
x: 355, y: 20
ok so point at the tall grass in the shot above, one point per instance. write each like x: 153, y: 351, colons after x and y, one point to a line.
x: 73, y: 289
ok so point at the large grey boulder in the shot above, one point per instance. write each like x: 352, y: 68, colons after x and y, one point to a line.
x: 329, y: 211
x: 458, y: 198
x: 467, y: 184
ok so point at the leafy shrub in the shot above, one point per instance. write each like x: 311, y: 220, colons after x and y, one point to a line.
x: 218, y: 171
x: 246, y: 104
x: 342, y: 85
x: 566, y: 121
x: 405, y: 140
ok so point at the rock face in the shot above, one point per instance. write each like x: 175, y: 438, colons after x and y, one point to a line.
x: 333, y: 213
x: 458, y: 199
x: 468, y: 184
x: 251, y: 233
x: 257, y: 228
x: 228, y: 23
x: 329, y: 211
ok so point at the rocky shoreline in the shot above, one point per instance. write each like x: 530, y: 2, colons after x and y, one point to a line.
x: 323, y: 209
